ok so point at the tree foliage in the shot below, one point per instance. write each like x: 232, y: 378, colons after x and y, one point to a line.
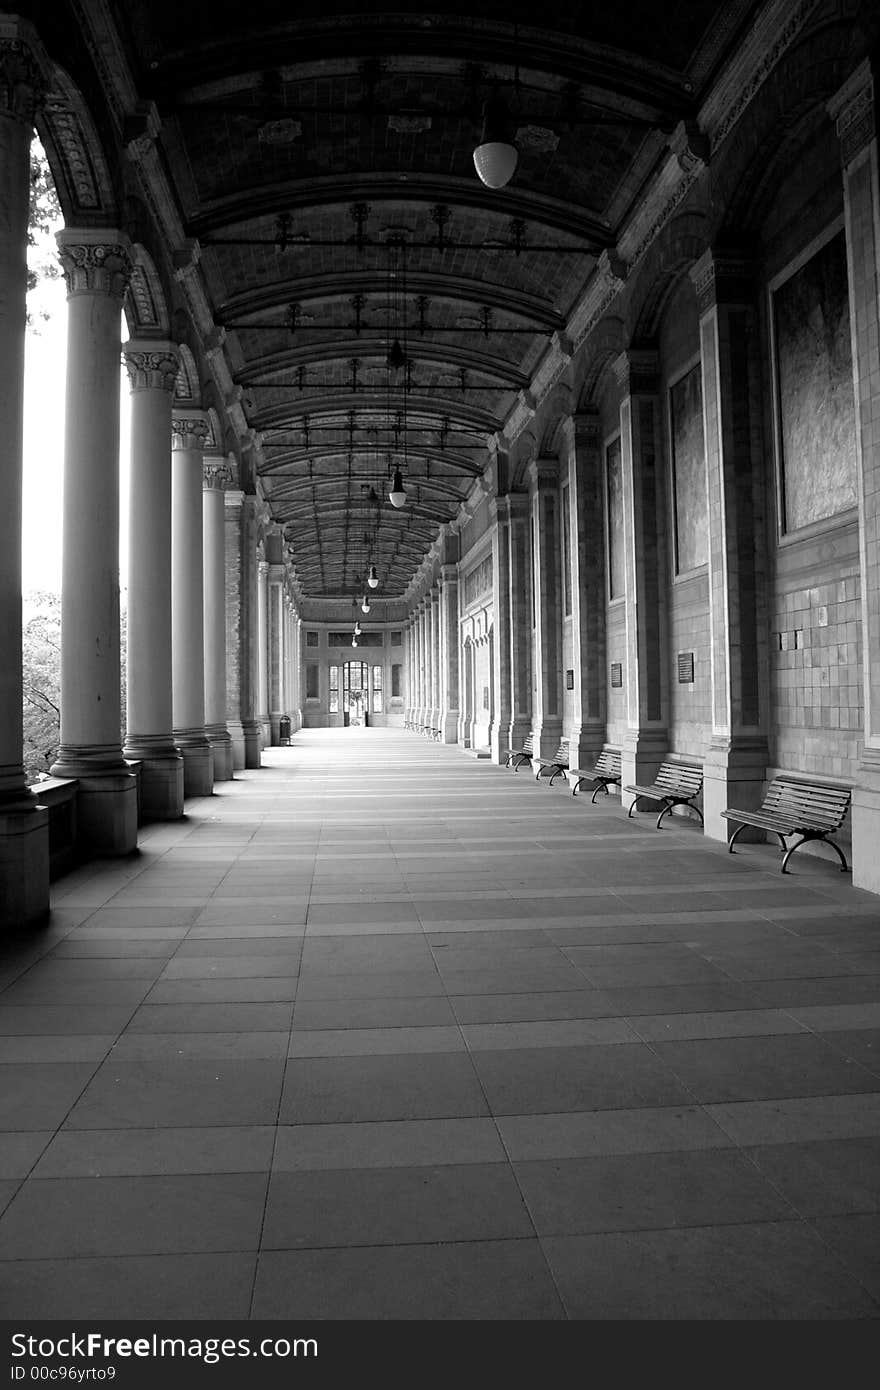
x: 41, y: 674
x: 44, y: 220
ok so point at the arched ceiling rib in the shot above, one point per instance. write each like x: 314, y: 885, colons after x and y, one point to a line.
x: 320, y: 155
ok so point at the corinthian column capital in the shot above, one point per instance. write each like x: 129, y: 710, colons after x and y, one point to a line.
x: 94, y: 261
x: 216, y: 473
x: 24, y: 69
x: 188, y: 431
x: 151, y: 366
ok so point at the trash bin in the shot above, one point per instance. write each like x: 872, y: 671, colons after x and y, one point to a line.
x: 284, y: 729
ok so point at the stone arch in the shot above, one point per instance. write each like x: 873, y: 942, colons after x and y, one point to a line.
x: 521, y: 455
x: 560, y: 406
x: 684, y: 241
x: 603, y: 346
x: 146, y: 309
x: 80, y: 169
x: 186, y: 388
x: 779, y: 121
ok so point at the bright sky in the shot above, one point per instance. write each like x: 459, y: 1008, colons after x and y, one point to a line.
x: 44, y: 384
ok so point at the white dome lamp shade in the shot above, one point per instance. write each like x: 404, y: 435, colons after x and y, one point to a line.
x: 365, y: 604
x: 496, y: 156
x: 397, y: 495
x: 373, y: 577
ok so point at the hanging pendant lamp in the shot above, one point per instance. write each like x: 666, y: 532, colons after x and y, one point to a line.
x: 496, y: 156
x: 397, y: 495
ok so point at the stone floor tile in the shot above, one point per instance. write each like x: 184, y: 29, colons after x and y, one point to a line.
x: 728, y: 1023
x: 527, y: 1007
x: 365, y: 1042
x: 584, y: 1135
x: 636, y: 1191
x: 243, y: 1047
x: 574, y: 1032
x: 777, y: 1271
x: 326, y: 1090
x: 131, y: 1287
x: 387, y: 1144
x: 834, y: 1177
x: 38, y: 1095
x: 55, y: 1047
x: 279, y: 989
x: 550, y: 1079
x: 799, y: 1119
x: 375, y: 984
x: 20, y: 1150
x: 211, y: 1018
x: 312, y: 1014
x: 393, y: 1206
x: 100, y: 1153
x: 475, y: 1280
x: 855, y: 1240
x: 61, y: 1218
x: 241, y: 967
x: 179, y: 1092
x: 729, y: 1069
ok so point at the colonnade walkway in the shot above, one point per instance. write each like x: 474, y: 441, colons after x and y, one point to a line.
x: 384, y: 1031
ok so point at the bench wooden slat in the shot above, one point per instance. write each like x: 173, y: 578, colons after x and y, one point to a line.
x: 605, y: 772
x: 517, y: 756
x: 558, y: 763
x: 676, y: 784
x: 811, y: 810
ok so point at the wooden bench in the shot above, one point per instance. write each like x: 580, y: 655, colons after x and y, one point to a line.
x: 791, y: 807
x: 517, y: 756
x: 676, y: 785
x: 605, y: 773
x: 557, y: 766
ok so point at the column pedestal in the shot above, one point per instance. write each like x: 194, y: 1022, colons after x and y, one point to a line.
x: 24, y: 866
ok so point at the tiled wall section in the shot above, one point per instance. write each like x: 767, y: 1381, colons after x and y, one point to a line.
x: 816, y: 678
x: 690, y: 706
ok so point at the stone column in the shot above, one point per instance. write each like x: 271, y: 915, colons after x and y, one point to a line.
x: 233, y: 500
x: 248, y: 646
x: 646, y: 741
x: 263, y: 653
x: 214, y: 478
x: 419, y: 667
x: 521, y: 626
x: 149, y: 738
x: 436, y: 678
x: 189, y: 432
x: 407, y: 668
x: 544, y: 494
x: 275, y: 648
x: 587, y: 549
x: 298, y: 670
x: 499, y: 733
x: 735, y: 761
x: 96, y: 268
x: 449, y: 653
x: 855, y: 112
x: 24, y: 824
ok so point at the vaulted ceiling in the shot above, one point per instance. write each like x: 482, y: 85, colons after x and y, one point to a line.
x: 321, y: 155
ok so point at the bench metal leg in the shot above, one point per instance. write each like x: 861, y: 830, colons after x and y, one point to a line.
x: 665, y: 812
x: 844, y: 868
x: 602, y: 787
x: 669, y: 806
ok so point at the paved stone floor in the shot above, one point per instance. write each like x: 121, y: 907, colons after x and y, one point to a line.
x: 383, y: 1031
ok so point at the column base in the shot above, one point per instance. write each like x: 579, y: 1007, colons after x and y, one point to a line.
x: 161, y: 778
x: 236, y: 734
x: 865, y: 819
x: 253, y: 743
x: 499, y: 742
x: 221, y: 748
x: 106, y: 814
x: 449, y: 726
x: 641, y: 755
x: 734, y: 774
x: 24, y: 866
x: 274, y: 724
x: 198, y: 763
